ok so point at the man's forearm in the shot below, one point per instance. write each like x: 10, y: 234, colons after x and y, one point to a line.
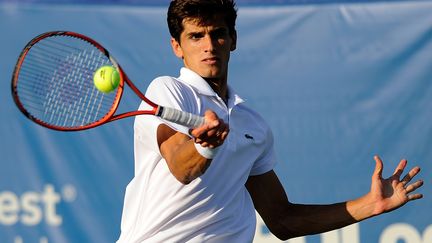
x: 183, y: 160
x: 314, y: 219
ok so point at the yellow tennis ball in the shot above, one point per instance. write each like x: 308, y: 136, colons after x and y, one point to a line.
x: 106, y: 79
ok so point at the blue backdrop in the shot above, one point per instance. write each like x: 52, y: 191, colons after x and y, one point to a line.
x: 338, y: 83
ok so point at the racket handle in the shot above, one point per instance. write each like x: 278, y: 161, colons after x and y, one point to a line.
x: 180, y: 117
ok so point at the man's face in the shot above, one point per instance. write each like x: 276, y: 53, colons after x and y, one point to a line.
x: 205, y: 48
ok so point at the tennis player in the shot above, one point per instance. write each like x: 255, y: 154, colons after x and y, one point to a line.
x: 204, y: 184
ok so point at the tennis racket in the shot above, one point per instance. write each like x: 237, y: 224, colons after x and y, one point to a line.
x: 52, y: 85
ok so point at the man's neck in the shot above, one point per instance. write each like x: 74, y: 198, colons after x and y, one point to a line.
x: 220, y: 87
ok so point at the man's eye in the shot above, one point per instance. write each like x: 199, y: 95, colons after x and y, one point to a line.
x: 220, y: 34
x: 195, y: 36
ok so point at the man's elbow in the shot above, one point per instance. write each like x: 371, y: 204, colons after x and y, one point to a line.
x: 186, y: 176
x: 282, y: 233
x: 186, y: 173
x: 183, y: 178
x: 283, y: 229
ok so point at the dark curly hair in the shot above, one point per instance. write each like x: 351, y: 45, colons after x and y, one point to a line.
x: 202, y: 10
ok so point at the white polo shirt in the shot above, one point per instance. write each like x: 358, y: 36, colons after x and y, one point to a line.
x: 215, y: 207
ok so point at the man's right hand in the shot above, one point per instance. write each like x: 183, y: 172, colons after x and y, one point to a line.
x: 212, y: 133
x: 180, y: 151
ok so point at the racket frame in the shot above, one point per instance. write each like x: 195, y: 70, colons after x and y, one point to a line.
x: 110, y: 115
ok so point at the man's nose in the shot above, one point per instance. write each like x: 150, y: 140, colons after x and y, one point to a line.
x: 209, y: 42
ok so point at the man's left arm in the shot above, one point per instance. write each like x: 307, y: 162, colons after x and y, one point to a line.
x: 287, y: 220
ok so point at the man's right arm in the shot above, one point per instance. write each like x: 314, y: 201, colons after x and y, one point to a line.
x: 180, y: 153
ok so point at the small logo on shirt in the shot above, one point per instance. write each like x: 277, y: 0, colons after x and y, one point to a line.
x: 248, y: 136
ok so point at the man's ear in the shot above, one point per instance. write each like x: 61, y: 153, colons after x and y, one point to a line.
x: 176, y: 48
x: 234, y: 40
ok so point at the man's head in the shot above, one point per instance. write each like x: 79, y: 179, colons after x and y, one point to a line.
x: 201, y: 10
x: 203, y: 35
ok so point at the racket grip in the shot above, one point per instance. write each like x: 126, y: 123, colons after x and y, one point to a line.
x: 180, y: 117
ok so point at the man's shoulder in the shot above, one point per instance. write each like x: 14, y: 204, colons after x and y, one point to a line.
x: 167, y: 84
x: 166, y: 81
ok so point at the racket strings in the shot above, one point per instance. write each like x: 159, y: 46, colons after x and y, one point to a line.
x: 56, y: 82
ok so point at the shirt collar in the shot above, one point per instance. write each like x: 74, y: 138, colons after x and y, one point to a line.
x: 201, y: 86
x: 190, y: 77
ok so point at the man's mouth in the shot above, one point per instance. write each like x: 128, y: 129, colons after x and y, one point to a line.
x: 210, y: 60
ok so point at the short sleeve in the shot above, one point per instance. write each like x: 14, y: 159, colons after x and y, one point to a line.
x: 169, y: 92
x: 267, y: 160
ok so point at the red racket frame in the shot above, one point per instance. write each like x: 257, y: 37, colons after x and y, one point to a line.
x: 110, y: 116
